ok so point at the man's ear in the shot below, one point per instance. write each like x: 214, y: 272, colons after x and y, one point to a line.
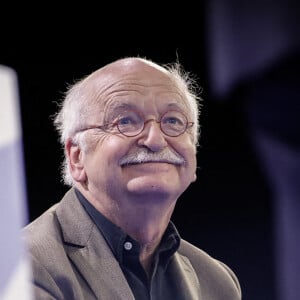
x: 74, y: 157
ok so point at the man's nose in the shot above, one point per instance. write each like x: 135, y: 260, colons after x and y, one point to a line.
x: 152, y: 137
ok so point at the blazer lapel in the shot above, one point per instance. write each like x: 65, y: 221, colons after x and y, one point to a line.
x: 186, y: 277
x: 89, y: 251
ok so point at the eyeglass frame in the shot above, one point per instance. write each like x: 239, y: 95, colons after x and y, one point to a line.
x: 116, y: 124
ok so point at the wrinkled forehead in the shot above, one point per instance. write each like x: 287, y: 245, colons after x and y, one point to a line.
x: 129, y: 76
x: 131, y: 82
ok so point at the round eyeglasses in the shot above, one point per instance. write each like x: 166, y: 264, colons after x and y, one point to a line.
x: 131, y: 123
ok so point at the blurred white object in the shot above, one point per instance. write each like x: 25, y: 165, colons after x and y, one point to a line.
x: 15, y: 269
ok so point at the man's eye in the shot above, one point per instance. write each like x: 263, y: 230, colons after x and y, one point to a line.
x: 173, y: 121
x: 125, y: 121
x: 129, y: 118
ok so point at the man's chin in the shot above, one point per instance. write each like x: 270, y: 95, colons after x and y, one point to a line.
x: 150, y: 168
x: 144, y: 187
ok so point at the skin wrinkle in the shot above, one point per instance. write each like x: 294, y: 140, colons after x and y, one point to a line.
x: 111, y: 103
x: 112, y: 100
x: 117, y: 85
x: 112, y: 109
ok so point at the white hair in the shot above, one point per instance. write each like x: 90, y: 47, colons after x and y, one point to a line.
x: 81, y: 99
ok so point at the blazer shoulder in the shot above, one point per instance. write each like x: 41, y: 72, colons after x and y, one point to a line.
x: 45, y: 232
x: 218, y: 274
x: 42, y: 232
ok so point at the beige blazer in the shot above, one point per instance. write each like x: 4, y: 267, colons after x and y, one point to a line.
x: 71, y: 260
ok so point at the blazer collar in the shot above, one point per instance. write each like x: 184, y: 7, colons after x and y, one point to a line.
x: 89, y: 251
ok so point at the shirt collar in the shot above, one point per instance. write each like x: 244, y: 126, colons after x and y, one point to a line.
x: 116, y: 237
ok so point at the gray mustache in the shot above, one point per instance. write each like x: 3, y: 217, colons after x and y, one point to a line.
x: 144, y: 156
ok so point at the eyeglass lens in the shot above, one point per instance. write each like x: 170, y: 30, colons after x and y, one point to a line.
x: 172, y: 123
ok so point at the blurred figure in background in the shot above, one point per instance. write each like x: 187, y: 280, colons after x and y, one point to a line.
x: 254, y: 53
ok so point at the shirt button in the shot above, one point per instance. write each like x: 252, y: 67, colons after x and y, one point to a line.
x: 128, y: 246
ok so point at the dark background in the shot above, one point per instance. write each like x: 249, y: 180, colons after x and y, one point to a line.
x: 229, y: 212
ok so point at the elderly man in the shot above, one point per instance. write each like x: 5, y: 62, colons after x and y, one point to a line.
x: 130, y: 132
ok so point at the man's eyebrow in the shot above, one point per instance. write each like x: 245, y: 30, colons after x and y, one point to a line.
x: 120, y: 106
x: 175, y: 105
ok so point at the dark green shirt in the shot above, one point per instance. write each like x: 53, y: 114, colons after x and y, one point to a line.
x: 161, y: 284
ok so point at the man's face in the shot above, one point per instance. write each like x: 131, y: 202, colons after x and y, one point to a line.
x: 149, y: 92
